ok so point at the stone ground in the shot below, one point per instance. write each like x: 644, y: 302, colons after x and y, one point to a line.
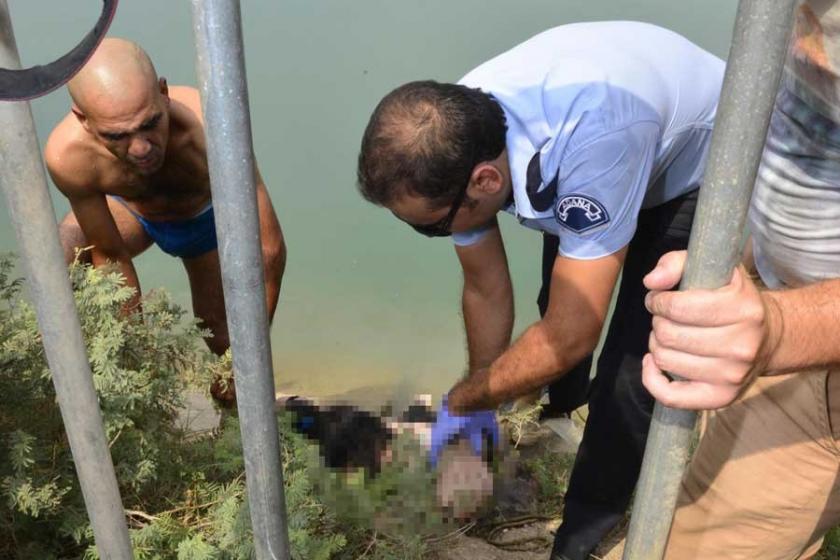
x: 464, y: 547
x: 199, y: 416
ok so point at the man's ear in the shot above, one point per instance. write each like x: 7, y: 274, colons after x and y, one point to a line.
x: 164, y: 88
x: 81, y: 116
x: 486, y: 179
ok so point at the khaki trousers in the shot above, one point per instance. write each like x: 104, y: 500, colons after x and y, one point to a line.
x: 763, y: 482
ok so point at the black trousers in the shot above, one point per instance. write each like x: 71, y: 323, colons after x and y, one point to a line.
x: 610, y: 456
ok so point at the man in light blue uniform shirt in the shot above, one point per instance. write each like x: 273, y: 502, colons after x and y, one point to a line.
x: 595, y: 134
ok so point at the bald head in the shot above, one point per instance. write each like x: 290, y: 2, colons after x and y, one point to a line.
x: 119, y: 77
x: 121, y: 104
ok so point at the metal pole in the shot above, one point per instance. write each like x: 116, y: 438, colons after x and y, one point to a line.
x: 756, y: 59
x: 224, y: 93
x: 25, y: 185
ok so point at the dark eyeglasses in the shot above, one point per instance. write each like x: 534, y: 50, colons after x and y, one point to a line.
x: 441, y: 228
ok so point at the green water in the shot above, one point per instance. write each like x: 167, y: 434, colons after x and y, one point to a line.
x: 369, y: 308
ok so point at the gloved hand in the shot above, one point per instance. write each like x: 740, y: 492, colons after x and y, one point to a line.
x: 477, y: 427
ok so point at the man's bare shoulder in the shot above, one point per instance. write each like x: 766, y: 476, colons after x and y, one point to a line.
x: 70, y: 156
x: 188, y: 97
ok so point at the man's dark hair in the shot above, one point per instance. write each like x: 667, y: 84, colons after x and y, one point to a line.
x: 425, y: 138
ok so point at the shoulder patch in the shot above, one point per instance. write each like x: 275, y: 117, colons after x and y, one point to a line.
x: 580, y: 213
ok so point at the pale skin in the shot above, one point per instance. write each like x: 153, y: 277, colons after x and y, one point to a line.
x: 720, y: 340
x: 129, y: 134
x: 580, y: 297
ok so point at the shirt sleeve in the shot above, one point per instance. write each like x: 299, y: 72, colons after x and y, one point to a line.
x: 601, y: 186
x: 471, y: 237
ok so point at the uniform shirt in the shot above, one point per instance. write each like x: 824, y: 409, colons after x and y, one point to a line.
x: 603, y: 119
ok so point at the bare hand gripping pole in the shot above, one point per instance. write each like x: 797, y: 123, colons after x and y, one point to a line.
x: 224, y: 94
x: 756, y: 59
x: 25, y: 185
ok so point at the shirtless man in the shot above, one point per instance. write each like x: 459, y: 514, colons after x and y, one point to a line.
x: 132, y: 160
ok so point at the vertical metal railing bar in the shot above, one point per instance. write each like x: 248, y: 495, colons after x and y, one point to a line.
x: 756, y: 60
x: 24, y: 182
x: 220, y: 64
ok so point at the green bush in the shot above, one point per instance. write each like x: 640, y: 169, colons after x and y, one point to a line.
x: 184, y: 497
x: 831, y: 546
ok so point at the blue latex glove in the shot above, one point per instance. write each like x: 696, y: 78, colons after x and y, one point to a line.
x: 473, y: 426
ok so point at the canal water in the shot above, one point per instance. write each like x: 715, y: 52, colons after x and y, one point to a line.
x: 369, y: 309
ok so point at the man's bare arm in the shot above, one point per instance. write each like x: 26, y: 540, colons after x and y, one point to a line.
x: 271, y: 235
x: 806, y: 327
x: 107, y: 245
x: 580, y: 297
x: 91, y: 210
x: 273, y: 246
x: 487, y: 299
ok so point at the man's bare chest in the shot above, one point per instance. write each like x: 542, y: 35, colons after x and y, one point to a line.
x: 177, y: 191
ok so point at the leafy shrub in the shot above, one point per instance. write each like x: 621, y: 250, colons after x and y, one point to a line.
x: 184, y: 496
x: 831, y: 546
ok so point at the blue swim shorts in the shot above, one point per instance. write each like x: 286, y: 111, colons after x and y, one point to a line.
x: 180, y: 238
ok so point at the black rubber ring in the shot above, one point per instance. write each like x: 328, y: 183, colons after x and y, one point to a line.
x: 20, y: 85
